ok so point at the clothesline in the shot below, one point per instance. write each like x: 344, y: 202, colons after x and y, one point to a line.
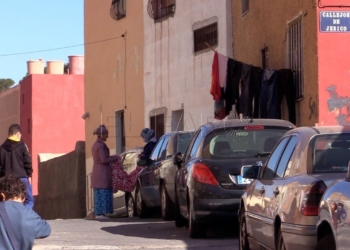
x: 214, y: 50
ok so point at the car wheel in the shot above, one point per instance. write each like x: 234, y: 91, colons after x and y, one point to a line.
x: 167, y: 206
x: 326, y: 243
x: 180, y: 221
x: 130, y: 206
x: 141, y: 208
x: 280, y: 244
x: 243, y: 235
x: 196, y: 230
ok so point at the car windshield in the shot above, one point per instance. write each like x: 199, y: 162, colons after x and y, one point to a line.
x: 183, y: 140
x: 331, y: 153
x: 241, y: 142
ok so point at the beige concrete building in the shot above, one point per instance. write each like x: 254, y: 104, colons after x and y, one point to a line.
x: 10, y: 110
x: 114, y: 73
x: 274, y: 34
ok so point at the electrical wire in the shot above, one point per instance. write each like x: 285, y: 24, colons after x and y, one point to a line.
x: 60, y: 48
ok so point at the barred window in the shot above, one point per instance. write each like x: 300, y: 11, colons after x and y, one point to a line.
x: 245, y: 6
x: 118, y: 9
x: 158, y: 9
x: 205, y: 35
x: 295, y: 48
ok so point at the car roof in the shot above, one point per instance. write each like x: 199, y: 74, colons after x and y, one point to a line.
x: 248, y: 122
x: 178, y: 132
x: 322, y: 130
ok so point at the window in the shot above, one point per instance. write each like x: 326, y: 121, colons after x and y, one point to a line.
x: 287, y: 154
x: 204, y: 36
x: 195, y: 146
x: 245, y: 6
x: 182, y: 141
x: 155, y: 153
x: 274, y: 159
x: 118, y: 9
x: 295, y: 48
x: 240, y: 143
x: 157, y: 124
x: 158, y: 9
x: 265, y: 57
x: 163, y: 150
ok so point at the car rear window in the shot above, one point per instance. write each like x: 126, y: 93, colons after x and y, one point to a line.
x: 241, y: 142
x: 183, y: 140
x: 331, y: 153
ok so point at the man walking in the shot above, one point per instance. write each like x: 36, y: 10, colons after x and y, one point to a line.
x: 15, y: 160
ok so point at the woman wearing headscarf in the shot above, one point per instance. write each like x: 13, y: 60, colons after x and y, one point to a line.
x: 101, y: 177
x: 149, y: 137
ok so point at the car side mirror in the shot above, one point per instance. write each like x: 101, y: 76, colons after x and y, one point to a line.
x: 250, y: 172
x: 177, y: 159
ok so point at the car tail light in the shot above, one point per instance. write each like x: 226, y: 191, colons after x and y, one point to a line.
x: 254, y: 127
x: 312, y: 199
x: 202, y: 174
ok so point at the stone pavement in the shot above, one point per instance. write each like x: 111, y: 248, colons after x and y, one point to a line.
x: 128, y: 234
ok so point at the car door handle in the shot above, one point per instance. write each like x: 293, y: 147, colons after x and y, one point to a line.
x: 276, y: 191
x: 262, y: 190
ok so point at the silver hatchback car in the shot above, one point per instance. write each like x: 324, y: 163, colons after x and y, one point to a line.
x: 280, y: 208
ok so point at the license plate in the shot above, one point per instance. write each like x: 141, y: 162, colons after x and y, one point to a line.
x: 242, y: 180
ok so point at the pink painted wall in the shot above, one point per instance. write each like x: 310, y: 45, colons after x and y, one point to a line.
x: 51, y: 119
x: 334, y: 70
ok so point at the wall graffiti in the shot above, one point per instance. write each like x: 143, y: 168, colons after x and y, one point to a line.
x: 339, y: 105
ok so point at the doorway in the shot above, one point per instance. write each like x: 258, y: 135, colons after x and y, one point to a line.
x: 177, y: 120
x: 119, y: 132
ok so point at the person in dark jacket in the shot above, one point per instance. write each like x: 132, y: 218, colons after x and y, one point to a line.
x: 149, y: 137
x: 101, y: 177
x: 26, y: 224
x: 15, y: 159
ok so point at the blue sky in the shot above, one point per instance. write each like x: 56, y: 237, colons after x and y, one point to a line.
x: 38, y: 25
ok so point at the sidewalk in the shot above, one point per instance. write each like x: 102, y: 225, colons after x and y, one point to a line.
x: 126, y: 234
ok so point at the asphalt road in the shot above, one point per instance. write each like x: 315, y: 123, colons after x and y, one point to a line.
x: 131, y: 234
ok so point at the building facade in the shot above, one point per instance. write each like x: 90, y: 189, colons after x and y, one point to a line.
x: 180, y: 37
x: 9, y: 114
x: 309, y: 37
x: 114, y: 73
x: 51, y: 106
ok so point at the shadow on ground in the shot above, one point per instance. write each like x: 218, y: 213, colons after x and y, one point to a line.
x: 159, y: 229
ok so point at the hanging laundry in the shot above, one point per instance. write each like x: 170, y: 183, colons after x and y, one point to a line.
x: 222, y: 69
x: 244, y: 91
x: 234, y: 69
x: 268, y: 95
x: 215, y: 90
x: 255, y: 88
x: 286, y: 88
x: 219, y: 107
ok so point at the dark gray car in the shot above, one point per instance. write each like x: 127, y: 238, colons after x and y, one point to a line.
x: 123, y: 203
x: 208, y: 184
x: 155, y: 186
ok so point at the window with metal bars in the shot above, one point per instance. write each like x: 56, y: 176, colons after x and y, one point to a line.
x: 204, y: 36
x: 118, y: 9
x: 159, y: 9
x: 295, y: 48
x: 245, y: 6
x: 265, y: 57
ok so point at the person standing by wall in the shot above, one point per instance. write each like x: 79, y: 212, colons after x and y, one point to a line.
x: 15, y: 159
x: 101, y: 177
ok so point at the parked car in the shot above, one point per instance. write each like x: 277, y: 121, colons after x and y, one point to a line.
x: 124, y: 203
x: 280, y: 208
x: 333, y: 227
x: 155, y: 186
x: 208, y: 184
